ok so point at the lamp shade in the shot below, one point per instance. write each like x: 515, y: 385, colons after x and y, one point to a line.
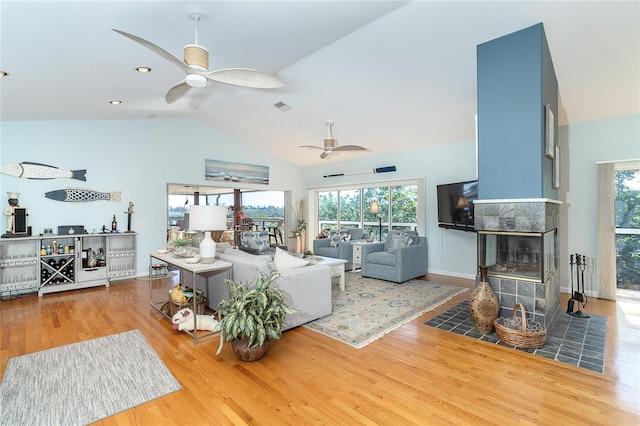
x: 208, y: 218
x: 375, y: 208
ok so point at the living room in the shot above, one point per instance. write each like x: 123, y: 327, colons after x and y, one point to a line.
x: 139, y: 157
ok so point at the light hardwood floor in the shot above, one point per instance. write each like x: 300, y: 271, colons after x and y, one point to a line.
x: 414, y: 375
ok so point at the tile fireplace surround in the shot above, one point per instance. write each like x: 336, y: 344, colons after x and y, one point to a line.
x: 517, y: 240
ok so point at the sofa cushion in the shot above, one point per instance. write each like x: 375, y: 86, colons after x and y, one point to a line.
x: 356, y: 233
x: 284, y: 260
x: 326, y: 251
x: 381, y: 258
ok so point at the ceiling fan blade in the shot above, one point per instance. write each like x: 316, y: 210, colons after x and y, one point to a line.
x: 158, y: 50
x: 349, y: 148
x: 325, y: 154
x: 176, y: 92
x: 244, y: 77
x: 310, y: 146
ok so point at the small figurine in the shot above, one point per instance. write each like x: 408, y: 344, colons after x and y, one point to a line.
x: 9, y: 210
x: 129, y: 212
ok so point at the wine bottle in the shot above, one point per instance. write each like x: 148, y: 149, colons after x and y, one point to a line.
x: 114, y: 224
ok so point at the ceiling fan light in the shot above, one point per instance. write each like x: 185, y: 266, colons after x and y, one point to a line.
x: 195, y: 80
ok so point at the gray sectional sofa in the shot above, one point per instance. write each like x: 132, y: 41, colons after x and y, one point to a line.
x: 306, y: 289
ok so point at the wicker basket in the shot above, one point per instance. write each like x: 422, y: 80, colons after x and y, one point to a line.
x: 200, y: 304
x: 521, y: 338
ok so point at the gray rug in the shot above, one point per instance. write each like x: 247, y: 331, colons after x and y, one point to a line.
x: 83, y: 382
x: 370, y: 308
x: 575, y: 341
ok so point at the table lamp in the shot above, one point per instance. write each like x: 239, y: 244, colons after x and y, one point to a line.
x: 207, y: 219
x: 375, y: 208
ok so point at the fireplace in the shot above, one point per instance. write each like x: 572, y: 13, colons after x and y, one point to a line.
x: 517, y: 241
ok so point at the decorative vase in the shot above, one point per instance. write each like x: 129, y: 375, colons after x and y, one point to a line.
x: 248, y: 354
x: 369, y: 238
x: 484, y: 305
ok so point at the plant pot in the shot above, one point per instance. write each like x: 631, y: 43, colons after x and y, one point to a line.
x: 484, y: 305
x: 248, y: 354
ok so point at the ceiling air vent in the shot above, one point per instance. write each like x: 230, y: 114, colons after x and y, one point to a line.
x: 282, y: 106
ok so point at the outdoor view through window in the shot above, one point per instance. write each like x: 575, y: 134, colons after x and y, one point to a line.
x: 351, y: 208
x: 627, y: 205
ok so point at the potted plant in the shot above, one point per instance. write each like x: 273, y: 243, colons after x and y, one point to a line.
x: 252, y: 316
x: 369, y: 236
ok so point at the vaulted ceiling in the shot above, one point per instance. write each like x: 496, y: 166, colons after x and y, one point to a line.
x: 393, y: 75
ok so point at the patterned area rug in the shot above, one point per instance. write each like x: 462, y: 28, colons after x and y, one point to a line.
x: 369, y: 308
x: 83, y: 382
x: 575, y: 341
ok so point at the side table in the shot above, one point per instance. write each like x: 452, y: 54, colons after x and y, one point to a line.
x: 357, y: 255
x: 187, y: 270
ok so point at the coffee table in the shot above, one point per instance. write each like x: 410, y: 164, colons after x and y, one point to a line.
x: 337, y: 267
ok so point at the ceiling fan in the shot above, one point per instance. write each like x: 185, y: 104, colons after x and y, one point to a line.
x: 330, y: 144
x: 196, y: 68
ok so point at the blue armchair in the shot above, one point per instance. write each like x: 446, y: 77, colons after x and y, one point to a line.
x: 333, y: 247
x: 401, y: 257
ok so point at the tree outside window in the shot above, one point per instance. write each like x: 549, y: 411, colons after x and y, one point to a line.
x: 627, y: 207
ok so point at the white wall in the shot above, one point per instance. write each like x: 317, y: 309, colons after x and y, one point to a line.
x: 451, y: 252
x: 135, y: 157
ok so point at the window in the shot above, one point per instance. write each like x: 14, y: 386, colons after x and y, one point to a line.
x: 627, y: 210
x: 351, y: 208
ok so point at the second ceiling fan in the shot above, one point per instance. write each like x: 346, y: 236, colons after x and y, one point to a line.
x: 330, y: 144
x: 196, y: 68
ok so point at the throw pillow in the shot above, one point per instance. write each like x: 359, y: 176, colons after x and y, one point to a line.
x: 257, y: 242
x: 398, y: 241
x: 284, y: 260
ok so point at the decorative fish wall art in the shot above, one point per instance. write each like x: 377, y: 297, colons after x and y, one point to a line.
x: 82, y: 195
x: 40, y: 171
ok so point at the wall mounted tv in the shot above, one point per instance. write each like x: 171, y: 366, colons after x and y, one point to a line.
x: 455, y: 205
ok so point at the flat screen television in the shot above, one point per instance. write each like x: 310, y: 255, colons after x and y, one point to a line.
x: 455, y: 205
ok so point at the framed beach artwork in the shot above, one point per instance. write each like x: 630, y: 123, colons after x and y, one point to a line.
x: 549, y: 132
x: 225, y: 171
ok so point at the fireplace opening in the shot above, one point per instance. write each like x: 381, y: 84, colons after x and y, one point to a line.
x: 526, y: 256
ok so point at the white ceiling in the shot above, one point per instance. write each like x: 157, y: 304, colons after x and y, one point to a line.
x: 392, y: 75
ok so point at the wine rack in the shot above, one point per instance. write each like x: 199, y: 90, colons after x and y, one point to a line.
x: 32, y: 263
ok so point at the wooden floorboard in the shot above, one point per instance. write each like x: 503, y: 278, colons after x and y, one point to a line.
x: 413, y: 375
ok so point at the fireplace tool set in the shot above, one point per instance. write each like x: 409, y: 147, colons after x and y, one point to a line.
x: 577, y: 297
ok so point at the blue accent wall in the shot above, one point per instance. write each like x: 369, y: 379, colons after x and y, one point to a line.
x: 516, y: 79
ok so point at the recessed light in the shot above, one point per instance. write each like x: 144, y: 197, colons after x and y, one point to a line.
x: 143, y: 69
x: 115, y: 102
x: 3, y: 73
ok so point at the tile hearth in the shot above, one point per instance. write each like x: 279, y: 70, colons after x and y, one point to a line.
x: 575, y: 341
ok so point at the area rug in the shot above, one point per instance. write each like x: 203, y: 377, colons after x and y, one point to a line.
x: 83, y: 382
x: 369, y: 308
x: 575, y: 341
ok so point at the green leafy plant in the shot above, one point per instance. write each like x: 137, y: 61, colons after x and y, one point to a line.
x: 181, y: 242
x: 254, y: 312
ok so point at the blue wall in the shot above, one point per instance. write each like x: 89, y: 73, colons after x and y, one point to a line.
x: 515, y: 80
